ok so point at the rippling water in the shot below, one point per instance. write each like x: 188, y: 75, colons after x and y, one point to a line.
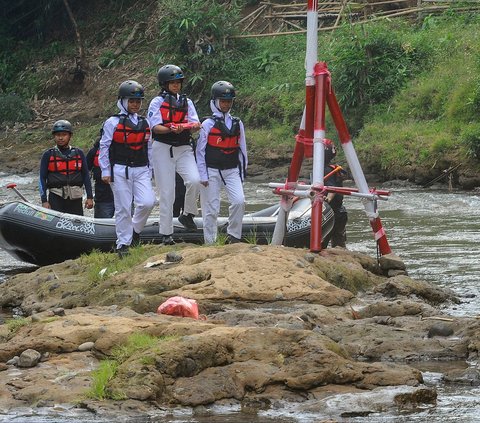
x: 436, y: 233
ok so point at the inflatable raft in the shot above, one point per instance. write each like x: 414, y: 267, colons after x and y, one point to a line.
x: 42, y: 236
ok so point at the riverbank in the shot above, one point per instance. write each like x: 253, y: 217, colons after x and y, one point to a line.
x: 284, y: 328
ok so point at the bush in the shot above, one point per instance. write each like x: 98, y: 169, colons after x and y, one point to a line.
x: 195, y: 35
x: 13, y: 109
x: 470, y: 137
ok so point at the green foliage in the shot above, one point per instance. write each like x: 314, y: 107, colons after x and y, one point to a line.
x: 195, y: 34
x: 14, y: 325
x: 13, y: 109
x: 100, y: 379
x: 135, y: 342
x: 84, y: 136
x: 98, y: 261
x: 266, y: 61
x: 372, y: 64
x: 108, y: 369
x: 470, y: 137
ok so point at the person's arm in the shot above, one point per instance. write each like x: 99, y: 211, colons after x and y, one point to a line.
x: 42, y: 182
x: 105, y: 142
x: 192, y: 116
x: 91, y: 157
x: 154, y: 117
x: 243, y: 146
x: 200, y: 151
x: 86, y: 181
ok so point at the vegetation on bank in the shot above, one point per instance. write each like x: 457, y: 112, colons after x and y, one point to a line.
x: 410, y: 90
x: 139, y: 347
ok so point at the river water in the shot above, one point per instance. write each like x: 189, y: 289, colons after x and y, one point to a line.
x: 437, y: 234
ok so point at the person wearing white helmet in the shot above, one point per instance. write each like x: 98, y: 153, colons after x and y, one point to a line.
x: 124, y: 159
x: 64, y: 174
x: 222, y: 162
x: 173, y: 118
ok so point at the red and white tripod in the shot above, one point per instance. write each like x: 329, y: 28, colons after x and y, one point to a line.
x: 309, y: 142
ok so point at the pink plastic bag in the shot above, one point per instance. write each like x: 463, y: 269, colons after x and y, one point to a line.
x: 179, y: 306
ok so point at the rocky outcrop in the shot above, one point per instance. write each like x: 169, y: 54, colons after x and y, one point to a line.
x: 281, y: 324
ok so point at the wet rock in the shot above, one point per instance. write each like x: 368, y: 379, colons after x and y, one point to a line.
x: 405, y: 286
x: 36, y: 318
x: 86, y: 346
x: 470, y: 376
x: 391, y: 273
x: 13, y: 361
x: 29, y: 358
x: 173, y: 257
x: 59, y: 311
x: 440, y: 329
x: 310, y: 257
x: 391, y: 261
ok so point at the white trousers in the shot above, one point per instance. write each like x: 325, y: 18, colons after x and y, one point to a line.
x: 210, y: 202
x: 138, y: 187
x: 165, y: 166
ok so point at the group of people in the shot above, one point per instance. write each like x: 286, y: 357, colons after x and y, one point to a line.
x: 132, y: 149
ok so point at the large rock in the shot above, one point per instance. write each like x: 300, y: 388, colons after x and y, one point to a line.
x: 281, y: 323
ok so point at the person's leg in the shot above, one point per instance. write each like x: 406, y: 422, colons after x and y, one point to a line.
x: 74, y: 206
x: 179, y: 203
x: 164, y: 170
x: 210, y: 203
x: 104, y: 209
x: 57, y: 203
x: 236, y: 198
x: 144, y: 197
x: 186, y: 166
x: 339, y: 232
x: 122, y: 193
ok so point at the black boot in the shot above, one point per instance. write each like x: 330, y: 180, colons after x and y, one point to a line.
x: 123, y: 251
x: 187, y: 221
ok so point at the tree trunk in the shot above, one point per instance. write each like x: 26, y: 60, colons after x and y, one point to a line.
x: 79, y: 71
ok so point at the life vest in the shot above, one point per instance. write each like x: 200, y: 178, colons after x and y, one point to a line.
x: 129, y: 145
x: 222, y: 147
x: 64, y: 168
x: 174, y: 110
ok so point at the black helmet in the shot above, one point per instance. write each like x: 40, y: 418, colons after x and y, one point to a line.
x: 130, y: 89
x: 223, y: 90
x: 62, y: 126
x: 330, y: 150
x: 169, y: 73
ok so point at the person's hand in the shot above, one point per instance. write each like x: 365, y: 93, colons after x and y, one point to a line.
x: 107, y: 179
x: 46, y: 205
x: 204, y: 183
x: 89, y: 203
x: 176, y: 128
x: 197, y: 127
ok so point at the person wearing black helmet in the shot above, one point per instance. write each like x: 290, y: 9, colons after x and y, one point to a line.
x: 173, y: 117
x: 64, y: 174
x: 103, y: 195
x: 222, y: 162
x: 335, y: 176
x: 124, y: 159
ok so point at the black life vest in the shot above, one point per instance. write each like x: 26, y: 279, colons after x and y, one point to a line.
x: 335, y: 180
x: 129, y: 145
x: 222, y: 147
x: 64, y: 168
x: 174, y: 110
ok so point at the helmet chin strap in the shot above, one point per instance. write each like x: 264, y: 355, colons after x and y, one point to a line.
x: 216, y: 103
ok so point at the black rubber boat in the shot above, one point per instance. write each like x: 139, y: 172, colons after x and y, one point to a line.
x: 42, y: 236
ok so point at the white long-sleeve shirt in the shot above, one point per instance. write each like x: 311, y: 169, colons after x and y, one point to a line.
x: 106, y: 140
x: 202, y: 141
